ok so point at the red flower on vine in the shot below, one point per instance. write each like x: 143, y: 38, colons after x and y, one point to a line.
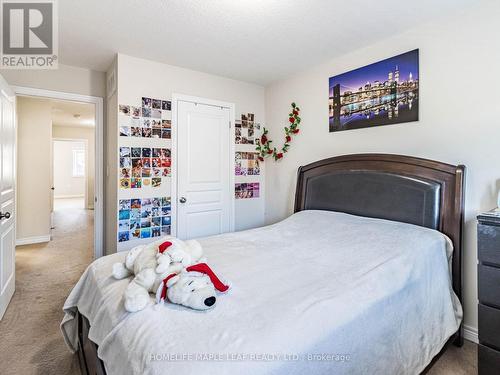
x: 264, y: 144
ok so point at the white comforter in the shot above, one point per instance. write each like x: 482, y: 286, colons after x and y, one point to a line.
x: 320, y: 292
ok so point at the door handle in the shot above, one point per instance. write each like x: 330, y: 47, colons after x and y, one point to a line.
x: 4, y: 215
x: 182, y: 200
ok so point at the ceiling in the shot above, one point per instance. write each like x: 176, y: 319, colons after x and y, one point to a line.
x: 63, y: 114
x: 251, y: 40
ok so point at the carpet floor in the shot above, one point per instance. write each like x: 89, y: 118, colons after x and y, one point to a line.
x: 30, y: 339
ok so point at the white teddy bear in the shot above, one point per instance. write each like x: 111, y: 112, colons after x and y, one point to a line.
x: 151, y: 264
x: 167, y: 267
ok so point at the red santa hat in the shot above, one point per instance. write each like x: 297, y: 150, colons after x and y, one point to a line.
x: 164, y: 246
x: 205, y: 269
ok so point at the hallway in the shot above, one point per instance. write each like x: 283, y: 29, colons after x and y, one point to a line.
x: 31, y: 341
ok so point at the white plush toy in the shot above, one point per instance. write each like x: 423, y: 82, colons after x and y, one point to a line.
x: 167, y: 267
x: 151, y: 264
x: 193, y: 287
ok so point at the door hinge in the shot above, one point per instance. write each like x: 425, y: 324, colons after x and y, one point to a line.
x: 229, y: 124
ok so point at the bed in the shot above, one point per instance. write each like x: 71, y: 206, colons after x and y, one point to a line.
x: 364, y: 277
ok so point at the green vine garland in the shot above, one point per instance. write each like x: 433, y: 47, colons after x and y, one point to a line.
x: 264, y: 144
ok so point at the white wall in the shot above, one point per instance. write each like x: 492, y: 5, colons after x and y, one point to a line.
x: 138, y: 77
x: 111, y: 171
x: 459, y: 123
x: 65, y: 183
x: 34, y: 134
x: 66, y: 79
x: 87, y: 133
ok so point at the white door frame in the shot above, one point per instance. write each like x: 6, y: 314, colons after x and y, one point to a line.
x: 99, y: 149
x: 176, y: 98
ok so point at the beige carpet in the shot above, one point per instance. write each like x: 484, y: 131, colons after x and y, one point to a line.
x: 457, y: 361
x: 30, y: 339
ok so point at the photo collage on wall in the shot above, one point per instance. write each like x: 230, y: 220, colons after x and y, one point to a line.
x: 151, y: 120
x: 246, y: 164
x: 245, y: 130
x: 246, y: 190
x: 143, y: 218
x: 144, y: 166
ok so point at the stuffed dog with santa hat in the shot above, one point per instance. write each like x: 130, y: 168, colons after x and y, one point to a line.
x: 170, y: 267
x: 195, y: 287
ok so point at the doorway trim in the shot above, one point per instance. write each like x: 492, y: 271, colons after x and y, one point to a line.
x: 99, y: 149
x: 176, y: 98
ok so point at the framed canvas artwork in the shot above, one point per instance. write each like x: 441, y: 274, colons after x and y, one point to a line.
x: 382, y: 93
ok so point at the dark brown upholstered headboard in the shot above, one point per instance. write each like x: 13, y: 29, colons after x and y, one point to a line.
x: 394, y: 187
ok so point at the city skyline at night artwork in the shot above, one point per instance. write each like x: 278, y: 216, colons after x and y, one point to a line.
x: 382, y: 93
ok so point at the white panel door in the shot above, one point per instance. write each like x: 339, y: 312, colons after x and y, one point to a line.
x: 204, y: 170
x: 7, y: 195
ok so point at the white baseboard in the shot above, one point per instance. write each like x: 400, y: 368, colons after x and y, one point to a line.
x: 470, y: 333
x: 32, y: 240
x: 68, y: 196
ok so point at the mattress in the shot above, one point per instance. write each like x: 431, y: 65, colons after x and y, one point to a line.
x: 319, y: 292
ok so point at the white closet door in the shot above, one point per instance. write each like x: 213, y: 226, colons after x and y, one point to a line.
x: 7, y: 194
x: 204, y: 170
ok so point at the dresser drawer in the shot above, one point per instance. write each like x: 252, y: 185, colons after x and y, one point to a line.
x: 489, y: 326
x: 489, y: 285
x: 488, y: 360
x: 488, y: 237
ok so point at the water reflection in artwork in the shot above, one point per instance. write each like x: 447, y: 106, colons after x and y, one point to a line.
x: 382, y: 93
